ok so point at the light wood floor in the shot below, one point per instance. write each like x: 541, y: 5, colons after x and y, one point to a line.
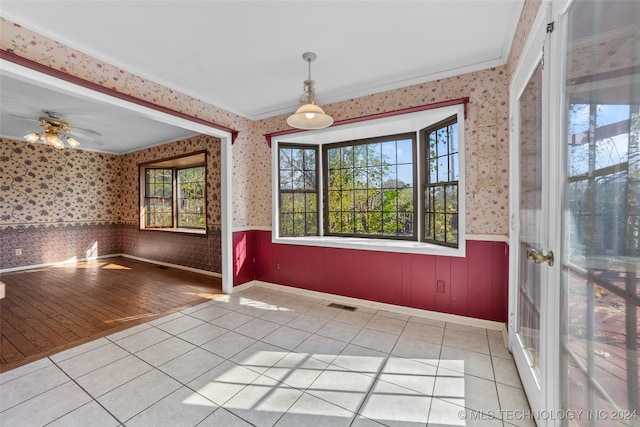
x: 47, y: 310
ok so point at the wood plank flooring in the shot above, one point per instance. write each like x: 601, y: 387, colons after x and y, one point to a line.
x: 47, y: 310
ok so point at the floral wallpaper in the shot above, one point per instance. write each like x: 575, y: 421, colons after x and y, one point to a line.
x: 44, y: 185
x: 487, y: 124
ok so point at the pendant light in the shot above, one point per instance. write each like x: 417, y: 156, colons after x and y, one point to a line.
x: 309, y: 115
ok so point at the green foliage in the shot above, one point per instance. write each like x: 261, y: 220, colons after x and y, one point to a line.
x: 191, y: 197
x: 298, y: 196
x: 159, y: 197
x: 365, y: 195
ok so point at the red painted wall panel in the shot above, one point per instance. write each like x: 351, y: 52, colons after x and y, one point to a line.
x: 475, y: 286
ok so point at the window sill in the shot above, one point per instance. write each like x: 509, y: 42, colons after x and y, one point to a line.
x: 383, y: 245
x: 178, y: 230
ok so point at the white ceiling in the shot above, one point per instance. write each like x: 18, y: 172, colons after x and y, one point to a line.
x: 246, y: 56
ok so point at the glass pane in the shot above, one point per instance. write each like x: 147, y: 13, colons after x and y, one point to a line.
x: 405, y: 175
x: 374, y: 177
x: 453, y: 138
x: 405, y: 223
x: 405, y: 199
x: 361, y: 202
x: 286, y: 202
x: 389, y: 152
x: 454, y: 173
x: 601, y: 221
x: 405, y: 151
x: 346, y: 179
x: 433, y: 170
x: 443, y: 169
x: 310, y: 160
x: 389, y: 200
x: 375, y: 200
x: 360, y: 223
x: 347, y: 156
x: 311, y: 203
x: 437, y: 194
x: 297, y: 180
x: 333, y: 157
x: 347, y: 222
x: 374, y: 222
x: 389, y: 179
x: 312, y: 224
x: 286, y: 155
x: 439, y: 226
x: 310, y: 180
x: 442, y: 146
x: 390, y: 223
x: 286, y: 180
x: 452, y: 199
x: 428, y: 220
x: 374, y: 154
x: 530, y: 213
x: 451, y: 228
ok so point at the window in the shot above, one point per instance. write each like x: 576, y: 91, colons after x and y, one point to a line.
x: 335, y: 189
x: 369, y: 187
x: 441, y: 183
x: 159, y: 198
x: 173, y: 194
x: 298, y: 191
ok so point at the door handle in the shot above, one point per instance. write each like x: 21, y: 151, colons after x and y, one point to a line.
x: 538, y: 257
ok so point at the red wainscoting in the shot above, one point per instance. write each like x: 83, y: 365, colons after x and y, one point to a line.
x: 475, y: 286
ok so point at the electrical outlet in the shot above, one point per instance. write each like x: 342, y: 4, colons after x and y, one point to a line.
x: 277, y: 266
x: 440, y: 286
x: 18, y: 252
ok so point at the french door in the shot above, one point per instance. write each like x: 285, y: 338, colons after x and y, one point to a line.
x: 574, y: 326
x: 533, y: 247
x: 600, y: 269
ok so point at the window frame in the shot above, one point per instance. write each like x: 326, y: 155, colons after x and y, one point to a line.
x: 175, y: 164
x: 390, y: 125
x: 303, y: 191
x: 325, y: 180
x: 426, y: 181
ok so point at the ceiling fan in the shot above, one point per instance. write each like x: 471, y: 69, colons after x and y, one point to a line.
x: 55, y: 131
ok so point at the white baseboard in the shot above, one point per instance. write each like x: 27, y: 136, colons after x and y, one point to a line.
x: 434, y: 315
x: 243, y: 287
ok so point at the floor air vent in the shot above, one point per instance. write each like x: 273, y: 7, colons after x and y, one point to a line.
x: 163, y: 267
x: 342, y: 307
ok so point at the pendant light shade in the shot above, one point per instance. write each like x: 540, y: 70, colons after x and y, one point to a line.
x: 309, y: 115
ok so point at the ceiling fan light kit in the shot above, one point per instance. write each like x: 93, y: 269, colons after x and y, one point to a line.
x: 53, y: 133
x: 309, y: 116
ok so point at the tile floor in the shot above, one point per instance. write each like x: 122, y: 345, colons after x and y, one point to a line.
x: 264, y: 357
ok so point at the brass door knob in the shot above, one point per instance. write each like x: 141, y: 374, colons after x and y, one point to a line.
x: 538, y: 257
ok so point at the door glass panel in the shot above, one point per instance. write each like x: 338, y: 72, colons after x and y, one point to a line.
x: 600, y: 279
x: 531, y: 226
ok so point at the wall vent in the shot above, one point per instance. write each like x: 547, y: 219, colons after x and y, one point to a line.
x: 342, y: 307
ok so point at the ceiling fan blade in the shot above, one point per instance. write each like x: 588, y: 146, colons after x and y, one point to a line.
x: 80, y: 131
x: 24, y: 118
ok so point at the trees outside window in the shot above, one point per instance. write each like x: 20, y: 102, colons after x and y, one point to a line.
x: 173, y: 194
x: 370, y: 187
x: 441, y: 183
